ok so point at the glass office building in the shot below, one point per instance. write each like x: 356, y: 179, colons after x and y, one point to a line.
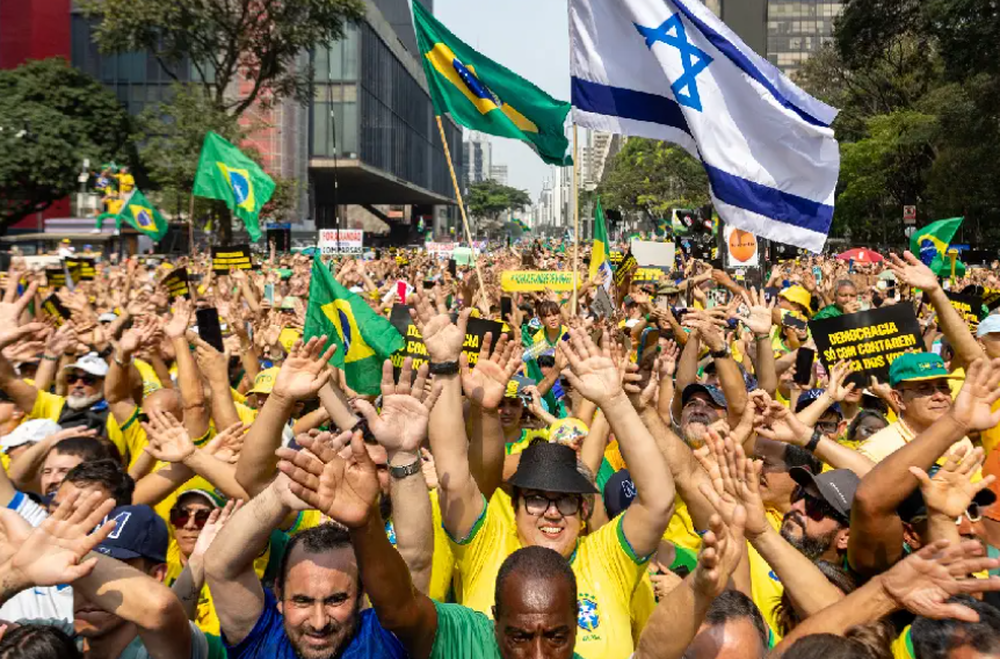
x: 796, y: 29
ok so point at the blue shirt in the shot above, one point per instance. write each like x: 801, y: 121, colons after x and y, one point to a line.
x: 267, y: 640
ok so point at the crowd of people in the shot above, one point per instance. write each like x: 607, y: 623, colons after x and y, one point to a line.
x: 656, y: 481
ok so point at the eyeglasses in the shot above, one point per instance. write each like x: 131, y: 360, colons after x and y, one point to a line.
x: 817, y: 509
x: 927, y: 389
x: 566, y: 504
x: 85, y: 378
x: 828, y: 427
x: 179, y: 517
x: 973, y: 513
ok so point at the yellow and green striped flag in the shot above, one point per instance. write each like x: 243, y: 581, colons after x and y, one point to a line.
x: 599, y: 253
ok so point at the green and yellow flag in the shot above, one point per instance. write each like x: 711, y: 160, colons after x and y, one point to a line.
x: 364, y: 339
x: 930, y: 243
x: 599, y: 252
x: 227, y: 174
x: 483, y: 95
x: 142, y: 215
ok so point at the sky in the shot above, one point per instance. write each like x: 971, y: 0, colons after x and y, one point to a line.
x: 529, y: 37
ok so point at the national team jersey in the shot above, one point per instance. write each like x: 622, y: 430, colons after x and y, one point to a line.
x: 766, y: 588
x: 607, y: 572
x: 463, y: 633
x: 267, y: 639
x: 129, y: 438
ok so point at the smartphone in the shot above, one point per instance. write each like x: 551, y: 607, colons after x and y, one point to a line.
x: 4, y: 261
x: 648, y: 343
x: 803, y: 366
x: 506, y: 307
x: 452, y: 267
x: 209, y: 328
x: 428, y: 284
x: 269, y: 293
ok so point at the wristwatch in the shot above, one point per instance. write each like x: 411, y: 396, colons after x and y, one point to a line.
x: 443, y: 368
x: 405, y: 471
x: 814, y: 442
x: 720, y: 354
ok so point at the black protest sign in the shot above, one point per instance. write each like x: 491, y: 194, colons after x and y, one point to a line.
x: 234, y: 256
x: 627, y: 266
x: 53, y: 307
x: 475, y: 332
x: 869, y: 340
x: 56, y: 277
x: 990, y: 296
x: 80, y: 269
x: 176, y: 283
x: 969, y: 306
x: 615, y: 257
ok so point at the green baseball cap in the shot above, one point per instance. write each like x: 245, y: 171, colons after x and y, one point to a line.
x: 916, y: 367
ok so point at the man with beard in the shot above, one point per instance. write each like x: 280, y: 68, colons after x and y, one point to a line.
x: 818, y: 525
x: 701, y: 406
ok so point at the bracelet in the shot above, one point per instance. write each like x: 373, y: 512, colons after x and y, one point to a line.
x: 51, y: 359
x: 121, y: 363
x: 443, y: 368
x: 762, y: 337
x: 814, y: 442
x: 405, y: 471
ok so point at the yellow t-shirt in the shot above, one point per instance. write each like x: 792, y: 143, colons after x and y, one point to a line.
x: 129, y: 438
x: 527, y: 437
x: 607, y: 572
x: 540, y: 336
x: 443, y: 562
x: 902, y: 647
x: 892, y: 438
x: 765, y: 586
x: 680, y: 529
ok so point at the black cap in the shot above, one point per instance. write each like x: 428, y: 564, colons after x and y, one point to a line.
x: 619, y: 492
x: 836, y: 487
x: 550, y: 467
x: 139, y: 533
x: 714, y: 393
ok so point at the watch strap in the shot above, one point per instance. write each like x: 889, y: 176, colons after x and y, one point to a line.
x: 814, y: 441
x: 406, y: 470
x: 443, y: 368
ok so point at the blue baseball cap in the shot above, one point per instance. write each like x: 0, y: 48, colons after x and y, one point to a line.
x: 808, y: 397
x: 139, y: 533
x: 714, y: 393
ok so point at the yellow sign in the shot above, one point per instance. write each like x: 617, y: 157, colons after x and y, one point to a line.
x: 647, y: 274
x: 538, y: 280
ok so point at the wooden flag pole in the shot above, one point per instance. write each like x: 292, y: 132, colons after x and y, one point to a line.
x: 576, y: 220
x: 461, y: 209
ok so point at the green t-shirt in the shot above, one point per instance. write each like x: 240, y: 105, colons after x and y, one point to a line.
x: 463, y: 633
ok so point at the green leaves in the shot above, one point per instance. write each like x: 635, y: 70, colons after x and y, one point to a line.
x: 489, y: 199
x: 648, y: 175
x: 52, y: 116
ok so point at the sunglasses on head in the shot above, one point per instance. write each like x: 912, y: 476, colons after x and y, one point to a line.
x: 816, y: 509
x: 179, y: 517
x: 85, y: 378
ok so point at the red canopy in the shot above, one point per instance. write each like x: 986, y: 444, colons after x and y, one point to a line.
x: 861, y: 255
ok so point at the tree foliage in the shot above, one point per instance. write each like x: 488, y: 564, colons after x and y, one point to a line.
x: 226, y: 41
x: 52, y: 116
x: 917, y: 83
x: 489, y: 199
x: 653, y: 177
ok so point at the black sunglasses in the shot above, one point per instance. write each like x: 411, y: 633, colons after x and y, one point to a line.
x: 85, y: 378
x: 817, y: 509
x: 179, y: 517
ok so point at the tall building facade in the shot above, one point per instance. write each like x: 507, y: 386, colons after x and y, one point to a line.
x: 478, y: 157
x: 499, y: 174
x: 797, y: 29
x: 369, y: 137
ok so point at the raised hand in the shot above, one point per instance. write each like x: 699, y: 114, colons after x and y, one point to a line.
x: 406, y: 407
x: 215, y: 522
x: 951, y: 490
x: 923, y: 582
x: 592, y: 371
x: 54, y: 553
x: 641, y: 396
x: 835, y: 387
x: 667, y: 360
x: 345, y: 490
x: 305, y: 370
x: 911, y: 271
x: 140, y: 335
x: 11, y: 308
x: 973, y: 406
x: 781, y: 425
x: 442, y: 338
x: 758, y: 317
x: 720, y: 554
x: 226, y: 445
x: 179, y: 322
x: 59, y: 341
x: 486, y: 383
x: 721, y: 490
x: 169, y: 441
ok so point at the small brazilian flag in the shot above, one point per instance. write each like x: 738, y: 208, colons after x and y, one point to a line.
x: 142, y: 215
x: 483, y: 95
x: 225, y: 173
x: 930, y: 243
x: 364, y: 339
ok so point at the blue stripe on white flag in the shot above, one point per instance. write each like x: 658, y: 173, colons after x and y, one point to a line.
x: 627, y: 103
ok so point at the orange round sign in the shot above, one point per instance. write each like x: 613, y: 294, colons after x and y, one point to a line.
x: 742, y: 245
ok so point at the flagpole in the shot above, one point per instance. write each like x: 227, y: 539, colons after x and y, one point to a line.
x: 576, y: 220
x: 461, y: 208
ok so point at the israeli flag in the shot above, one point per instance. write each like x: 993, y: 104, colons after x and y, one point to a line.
x: 671, y: 70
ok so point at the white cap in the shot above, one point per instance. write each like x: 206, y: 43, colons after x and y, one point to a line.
x: 29, y: 432
x: 89, y: 363
x: 107, y: 317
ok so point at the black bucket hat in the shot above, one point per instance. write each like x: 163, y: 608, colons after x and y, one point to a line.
x: 550, y: 467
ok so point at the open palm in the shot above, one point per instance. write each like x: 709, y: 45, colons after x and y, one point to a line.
x: 951, y: 490
x: 169, y: 441
x: 305, y: 371
x: 443, y: 338
x: 486, y: 383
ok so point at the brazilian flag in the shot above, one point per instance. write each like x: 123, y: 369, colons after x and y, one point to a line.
x: 227, y: 174
x: 364, y: 339
x: 483, y: 95
x: 143, y: 216
x: 930, y: 243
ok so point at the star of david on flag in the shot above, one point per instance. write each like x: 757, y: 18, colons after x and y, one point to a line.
x: 671, y: 70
